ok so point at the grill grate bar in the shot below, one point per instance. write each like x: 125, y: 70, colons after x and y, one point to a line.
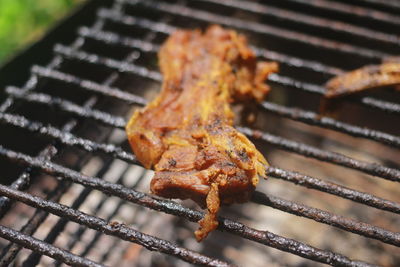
x: 170, y: 207
x: 97, y: 25
x: 292, y: 113
x: 68, y: 106
x: 323, y: 155
x: 309, y: 20
x: 120, y: 66
x: 45, y: 248
x: 110, y: 216
x: 259, y: 28
x: 10, y: 252
x: 388, y: 3
x: 34, y: 258
x: 352, y: 10
x: 156, y: 76
x: 329, y: 218
x: 315, y: 119
x: 114, y: 38
x: 382, y: 105
x: 374, y: 169
x: 334, y: 189
x: 99, y: 234
x: 82, y: 229
x: 267, y: 238
x: 119, y: 153
x: 112, y: 228
x: 89, y: 85
x: 283, y: 143
x: 23, y: 181
x: 66, y: 138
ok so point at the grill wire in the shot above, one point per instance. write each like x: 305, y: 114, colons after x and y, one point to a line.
x: 158, y: 20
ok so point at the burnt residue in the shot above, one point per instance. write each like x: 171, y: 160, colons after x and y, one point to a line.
x: 172, y: 162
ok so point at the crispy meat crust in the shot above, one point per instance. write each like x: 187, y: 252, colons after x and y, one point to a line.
x: 186, y: 133
x: 360, y: 80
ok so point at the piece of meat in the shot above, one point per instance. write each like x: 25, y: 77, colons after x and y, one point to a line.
x: 365, y: 78
x: 360, y: 80
x: 186, y: 133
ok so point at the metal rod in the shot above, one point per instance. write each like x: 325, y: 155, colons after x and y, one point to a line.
x: 112, y: 228
x: 352, y: 10
x: 328, y: 218
x: 120, y: 66
x: 171, y: 207
x: 45, y: 248
x: 23, y: 181
x: 11, y: 250
x: 119, y: 153
x: 125, y: 41
x: 292, y: 113
x: 112, y: 214
x: 283, y: 143
x: 34, y: 258
x: 334, y: 189
x: 324, y: 155
x: 309, y: 20
x: 59, y: 226
x: 89, y: 85
x: 312, y: 118
x: 82, y: 229
x: 67, y: 138
x: 115, y: 38
x: 68, y: 106
x: 386, y: 106
x: 385, y: 3
x: 259, y: 28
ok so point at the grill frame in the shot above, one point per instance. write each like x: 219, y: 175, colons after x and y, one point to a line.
x: 43, y: 163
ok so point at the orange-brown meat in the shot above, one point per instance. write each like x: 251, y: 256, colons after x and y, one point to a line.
x: 186, y: 133
x: 365, y: 78
x: 360, y: 80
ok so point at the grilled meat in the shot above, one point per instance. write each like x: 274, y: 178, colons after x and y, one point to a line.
x: 186, y: 133
x: 360, y: 80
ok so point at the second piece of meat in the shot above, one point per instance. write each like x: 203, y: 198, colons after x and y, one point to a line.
x: 360, y: 80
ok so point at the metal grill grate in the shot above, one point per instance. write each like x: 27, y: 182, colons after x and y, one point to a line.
x: 76, y: 107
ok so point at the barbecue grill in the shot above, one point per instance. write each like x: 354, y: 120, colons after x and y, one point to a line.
x: 73, y: 193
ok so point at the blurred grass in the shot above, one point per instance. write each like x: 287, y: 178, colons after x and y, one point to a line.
x: 24, y: 21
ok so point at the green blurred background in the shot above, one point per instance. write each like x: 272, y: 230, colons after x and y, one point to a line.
x: 24, y: 21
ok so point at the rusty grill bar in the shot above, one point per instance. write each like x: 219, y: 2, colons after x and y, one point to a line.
x: 64, y: 137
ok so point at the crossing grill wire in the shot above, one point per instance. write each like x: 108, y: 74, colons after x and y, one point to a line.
x: 73, y: 193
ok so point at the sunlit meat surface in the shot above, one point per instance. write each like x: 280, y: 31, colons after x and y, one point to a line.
x: 360, y: 80
x: 186, y: 133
